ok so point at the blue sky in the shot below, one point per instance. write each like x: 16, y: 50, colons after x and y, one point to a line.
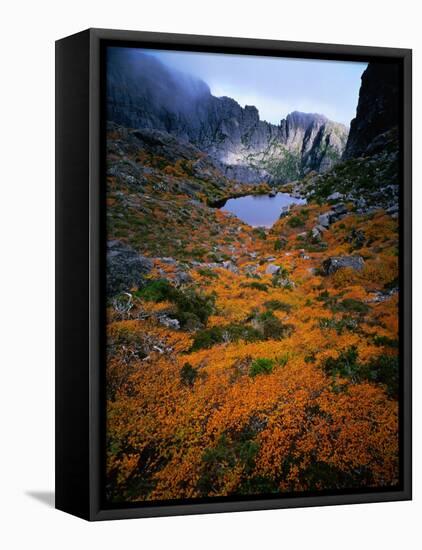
x: 276, y: 86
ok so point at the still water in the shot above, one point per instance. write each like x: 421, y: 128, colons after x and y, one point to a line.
x: 260, y: 210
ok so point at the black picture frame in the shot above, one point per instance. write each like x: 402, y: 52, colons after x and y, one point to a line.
x: 80, y: 269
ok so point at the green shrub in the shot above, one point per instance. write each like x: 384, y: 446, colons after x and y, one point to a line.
x: 279, y: 244
x: 204, y: 339
x: 394, y: 283
x: 282, y: 360
x: 188, y: 375
x: 198, y: 253
x: 345, y: 365
x: 383, y: 369
x: 238, y: 450
x: 156, y: 291
x: 207, y: 272
x: 323, y: 296
x: 258, y: 485
x: 319, y: 473
x: 353, y: 306
x: 191, y: 306
x: 272, y: 328
x: 278, y: 305
x: 385, y: 341
x: 260, y: 233
x: 256, y: 285
x: 261, y: 366
x: 295, y: 221
x: 340, y: 325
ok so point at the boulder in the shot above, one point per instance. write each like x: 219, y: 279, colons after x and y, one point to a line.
x: 182, y: 278
x: 380, y: 296
x: 125, y: 267
x: 339, y: 209
x: 316, y: 233
x: 284, y: 211
x: 230, y: 266
x: 169, y: 322
x: 333, y: 264
x: 326, y: 219
x: 272, y: 269
x: 321, y: 228
x: 335, y: 196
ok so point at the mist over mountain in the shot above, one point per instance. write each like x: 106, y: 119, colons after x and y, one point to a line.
x: 142, y: 92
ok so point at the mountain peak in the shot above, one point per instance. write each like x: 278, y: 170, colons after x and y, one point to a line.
x: 304, y: 120
x: 142, y: 92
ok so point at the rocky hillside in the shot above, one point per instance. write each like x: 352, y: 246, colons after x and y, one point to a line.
x: 377, y: 111
x: 369, y: 175
x: 241, y: 360
x: 144, y: 93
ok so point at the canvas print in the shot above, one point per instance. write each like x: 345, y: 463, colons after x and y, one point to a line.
x: 252, y: 323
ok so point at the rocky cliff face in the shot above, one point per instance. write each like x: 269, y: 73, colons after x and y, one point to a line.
x: 377, y: 111
x: 143, y: 93
x: 369, y: 175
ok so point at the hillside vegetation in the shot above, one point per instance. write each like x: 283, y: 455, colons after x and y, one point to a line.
x: 245, y: 360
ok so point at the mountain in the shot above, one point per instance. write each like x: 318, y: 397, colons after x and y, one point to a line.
x: 369, y: 174
x: 377, y: 111
x: 144, y: 93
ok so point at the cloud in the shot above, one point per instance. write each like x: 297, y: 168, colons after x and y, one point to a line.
x: 277, y: 86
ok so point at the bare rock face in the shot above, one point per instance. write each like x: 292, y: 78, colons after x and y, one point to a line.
x: 377, y: 111
x: 333, y: 264
x: 143, y: 93
x: 125, y: 268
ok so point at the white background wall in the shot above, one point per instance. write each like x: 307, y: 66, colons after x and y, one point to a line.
x: 28, y: 31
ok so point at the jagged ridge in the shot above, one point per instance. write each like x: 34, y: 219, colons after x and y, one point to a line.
x: 144, y: 93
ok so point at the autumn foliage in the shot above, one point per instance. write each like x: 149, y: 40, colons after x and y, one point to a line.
x: 270, y: 383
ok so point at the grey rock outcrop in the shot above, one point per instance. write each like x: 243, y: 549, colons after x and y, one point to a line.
x: 333, y: 264
x: 182, y: 278
x: 377, y: 111
x: 325, y: 219
x: 371, y: 177
x: 169, y: 322
x: 125, y: 268
x: 337, y: 212
x: 272, y: 269
x: 230, y: 266
x: 335, y: 196
x: 317, y: 232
